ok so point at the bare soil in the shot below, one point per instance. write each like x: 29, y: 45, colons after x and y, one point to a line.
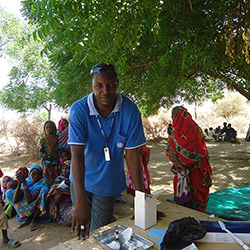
x: 230, y: 164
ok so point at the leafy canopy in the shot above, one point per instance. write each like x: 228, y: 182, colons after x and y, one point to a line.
x: 30, y: 75
x: 165, y: 51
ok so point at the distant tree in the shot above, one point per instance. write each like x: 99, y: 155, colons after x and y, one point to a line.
x: 31, y: 75
x: 230, y: 106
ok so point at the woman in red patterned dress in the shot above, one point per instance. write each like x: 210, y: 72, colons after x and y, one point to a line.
x: 187, y: 150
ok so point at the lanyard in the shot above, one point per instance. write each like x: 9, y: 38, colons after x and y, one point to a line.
x: 110, y: 128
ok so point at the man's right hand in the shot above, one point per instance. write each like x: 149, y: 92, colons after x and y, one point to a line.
x: 81, y: 220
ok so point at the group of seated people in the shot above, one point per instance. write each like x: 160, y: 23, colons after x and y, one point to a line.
x: 42, y: 193
x: 227, y: 133
x: 30, y: 196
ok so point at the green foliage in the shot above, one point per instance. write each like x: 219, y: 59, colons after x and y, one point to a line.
x: 165, y: 51
x: 230, y: 106
x: 30, y: 75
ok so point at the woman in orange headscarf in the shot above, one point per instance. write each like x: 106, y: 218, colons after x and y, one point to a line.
x: 187, y: 150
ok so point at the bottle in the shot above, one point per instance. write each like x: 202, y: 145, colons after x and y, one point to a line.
x: 117, y: 235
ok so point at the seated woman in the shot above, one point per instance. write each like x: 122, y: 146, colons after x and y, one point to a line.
x: 60, y: 205
x: 29, y: 197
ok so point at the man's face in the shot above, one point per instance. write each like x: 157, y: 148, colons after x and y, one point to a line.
x: 105, y: 87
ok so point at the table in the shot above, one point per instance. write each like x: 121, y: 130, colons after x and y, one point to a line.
x: 172, y: 211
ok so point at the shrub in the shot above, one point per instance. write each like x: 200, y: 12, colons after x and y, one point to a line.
x: 27, y: 135
x: 155, y: 127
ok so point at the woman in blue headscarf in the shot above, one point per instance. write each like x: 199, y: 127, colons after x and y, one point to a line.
x: 29, y: 197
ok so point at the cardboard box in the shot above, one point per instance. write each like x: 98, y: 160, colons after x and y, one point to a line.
x: 146, y: 208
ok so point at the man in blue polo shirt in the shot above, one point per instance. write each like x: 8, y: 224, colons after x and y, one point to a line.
x: 101, y: 126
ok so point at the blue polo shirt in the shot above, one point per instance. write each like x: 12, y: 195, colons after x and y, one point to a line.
x: 106, y: 178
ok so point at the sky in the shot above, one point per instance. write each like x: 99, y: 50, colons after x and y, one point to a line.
x: 13, y: 7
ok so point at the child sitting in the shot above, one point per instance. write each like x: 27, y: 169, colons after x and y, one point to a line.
x: 65, y: 155
x: 4, y: 183
x: 4, y: 227
x: 8, y: 208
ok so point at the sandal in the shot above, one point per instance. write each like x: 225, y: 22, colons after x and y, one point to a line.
x: 24, y: 223
x: 34, y: 226
x: 12, y: 243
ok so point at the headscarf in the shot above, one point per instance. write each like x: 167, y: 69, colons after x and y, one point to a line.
x: 23, y: 169
x: 187, y: 139
x: 3, y: 189
x: 33, y: 186
x: 66, y: 164
x: 54, y: 127
x: 60, y: 125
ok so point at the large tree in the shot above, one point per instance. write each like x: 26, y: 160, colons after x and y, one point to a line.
x: 31, y: 76
x: 165, y: 51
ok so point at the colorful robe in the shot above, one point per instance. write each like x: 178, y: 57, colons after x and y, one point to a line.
x: 187, y: 147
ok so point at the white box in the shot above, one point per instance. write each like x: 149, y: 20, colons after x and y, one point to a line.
x: 146, y: 208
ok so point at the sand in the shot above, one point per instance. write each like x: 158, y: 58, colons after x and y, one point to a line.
x: 230, y: 164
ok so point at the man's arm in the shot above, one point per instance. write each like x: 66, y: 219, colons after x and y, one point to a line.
x: 82, y: 214
x: 134, y: 168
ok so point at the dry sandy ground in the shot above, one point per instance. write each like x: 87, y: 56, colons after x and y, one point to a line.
x: 230, y: 164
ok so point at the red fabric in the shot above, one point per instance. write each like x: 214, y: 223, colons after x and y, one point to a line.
x: 60, y: 125
x: 1, y: 173
x: 188, y: 135
x: 63, y: 138
x: 188, y: 144
x: 144, y: 157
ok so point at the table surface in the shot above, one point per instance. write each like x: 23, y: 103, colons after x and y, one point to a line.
x: 172, y: 211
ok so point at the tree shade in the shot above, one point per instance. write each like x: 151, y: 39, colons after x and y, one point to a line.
x: 165, y: 51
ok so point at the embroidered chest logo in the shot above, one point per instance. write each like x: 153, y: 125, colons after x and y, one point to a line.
x: 120, y: 144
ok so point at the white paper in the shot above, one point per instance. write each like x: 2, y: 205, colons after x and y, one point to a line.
x: 62, y: 185
x: 191, y: 247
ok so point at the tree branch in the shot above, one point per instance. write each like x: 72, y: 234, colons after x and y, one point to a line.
x: 143, y: 65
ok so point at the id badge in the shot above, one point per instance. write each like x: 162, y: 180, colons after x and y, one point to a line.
x: 106, y: 153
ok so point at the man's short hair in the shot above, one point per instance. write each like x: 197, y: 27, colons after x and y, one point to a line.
x: 103, y: 67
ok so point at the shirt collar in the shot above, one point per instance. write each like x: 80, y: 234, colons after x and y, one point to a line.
x: 92, y: 108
